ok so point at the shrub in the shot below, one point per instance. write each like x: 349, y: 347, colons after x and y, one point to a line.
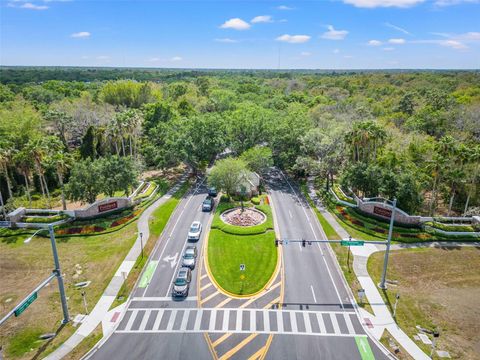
x: 255, y: 200
x: 224, y: 198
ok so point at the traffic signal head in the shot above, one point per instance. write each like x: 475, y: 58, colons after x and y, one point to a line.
x: 304, y: 242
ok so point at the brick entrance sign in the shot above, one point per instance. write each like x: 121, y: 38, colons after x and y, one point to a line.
x: 108, y: 206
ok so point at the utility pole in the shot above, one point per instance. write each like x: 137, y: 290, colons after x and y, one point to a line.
x: 84, y: 296
x: 382, y: 284
x: 58, y: 273
x: 3, y: 207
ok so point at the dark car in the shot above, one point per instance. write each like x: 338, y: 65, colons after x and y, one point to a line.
x: 181, y: 285
x: 208, y: 204
x: 212, y: 192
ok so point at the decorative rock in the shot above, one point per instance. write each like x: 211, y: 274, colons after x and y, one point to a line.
x: 247, y: 217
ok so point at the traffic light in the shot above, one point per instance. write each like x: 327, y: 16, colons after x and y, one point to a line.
x: 304, y: 242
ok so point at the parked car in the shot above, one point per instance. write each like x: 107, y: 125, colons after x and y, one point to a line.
x: 181, y: 285
x: 208, y: 204
x: 212, y: 191
x: 189, y: 257
x: 195, y: 231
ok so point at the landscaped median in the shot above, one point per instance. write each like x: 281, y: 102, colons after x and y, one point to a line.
x: 242, y: 260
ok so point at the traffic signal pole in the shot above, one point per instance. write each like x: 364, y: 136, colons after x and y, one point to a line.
x: 382, y: 284
x: 58, y: 274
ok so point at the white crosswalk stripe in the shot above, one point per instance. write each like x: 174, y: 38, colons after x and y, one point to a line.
x: 262, y: 321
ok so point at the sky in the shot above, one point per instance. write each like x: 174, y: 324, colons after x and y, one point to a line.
x: 322, y: 34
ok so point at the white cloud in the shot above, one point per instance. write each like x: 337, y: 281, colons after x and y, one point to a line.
x: 383, y: 3
x: 467, y: 37
x: 261, y: 19
x: 81, y: 35
x: 374, y: 43
x: 454, y: 44
x: 236, y: 24
x: 226, y: 40
x: 348, y: 56
x: 398, y: 28
x: 176, y: 58
x: 31, y: 6
x: 154, y: 59
x: 103, y: 57
x: 293, y: 39
x: 397, y: 41
x: 333, y: 34
x: 284, y: 7
x: 336, y: 51
x: 388, y: 48
x: 305, y: 53
x: 454, y: 2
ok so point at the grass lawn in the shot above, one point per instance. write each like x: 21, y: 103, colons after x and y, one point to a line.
x: 439, y: 288
x: 227, y: 251
x: 23, y: 266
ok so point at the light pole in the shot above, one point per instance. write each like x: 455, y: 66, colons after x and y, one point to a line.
x: 27, y: 240
x: 382, y: 284
x: 58, y: 273
x: 141, y: 243
x: 84, y: 296
x: 436, y: 335
x: 395, y: 306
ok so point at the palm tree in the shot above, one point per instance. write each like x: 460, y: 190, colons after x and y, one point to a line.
x: 474, y: 162
x: 23, y: 162
x: 38, y: 150
x: 6, y: 153
x: 61, y: 161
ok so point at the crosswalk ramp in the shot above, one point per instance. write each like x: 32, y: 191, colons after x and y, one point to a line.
x: 262, y: 321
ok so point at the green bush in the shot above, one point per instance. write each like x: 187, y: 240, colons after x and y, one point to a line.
x: 224, y: 198
x: 445, y: 227
x: 255, y: 200
x: 217, y: 222
x: 45, y: 220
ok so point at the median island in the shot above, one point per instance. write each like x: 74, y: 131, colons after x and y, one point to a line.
x: 242, y: 256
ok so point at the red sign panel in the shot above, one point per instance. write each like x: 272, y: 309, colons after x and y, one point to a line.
x: 107, y: 206
x: 382, y: 212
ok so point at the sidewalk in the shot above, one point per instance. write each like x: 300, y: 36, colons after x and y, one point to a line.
x: 382, y: 318
x: 101, y: 309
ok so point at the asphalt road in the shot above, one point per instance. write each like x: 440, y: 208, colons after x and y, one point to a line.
x: 155, y: 327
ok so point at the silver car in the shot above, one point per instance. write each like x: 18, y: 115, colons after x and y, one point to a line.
x: 189, y: 257
x: 181, y: 285
x: 195, y: 231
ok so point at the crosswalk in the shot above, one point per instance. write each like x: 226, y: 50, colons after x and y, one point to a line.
x: 262, y: 321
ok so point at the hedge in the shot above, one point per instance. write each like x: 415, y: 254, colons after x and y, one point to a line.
x: 218, y: 223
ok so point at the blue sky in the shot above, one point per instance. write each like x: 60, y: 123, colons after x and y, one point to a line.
x: 325, y: 34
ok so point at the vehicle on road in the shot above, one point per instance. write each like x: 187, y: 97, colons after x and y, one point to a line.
x: 212, y: 191
x: 195, y: 231
x: 189, y: 257
x: 181, y: 285
x: 208, y: 204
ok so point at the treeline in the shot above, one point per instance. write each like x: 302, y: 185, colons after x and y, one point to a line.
x: 414, y: 136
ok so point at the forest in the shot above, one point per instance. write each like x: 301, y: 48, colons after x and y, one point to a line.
x: 81, y: 132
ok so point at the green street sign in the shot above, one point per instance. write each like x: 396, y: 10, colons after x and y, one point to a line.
x: 352, y: 242
x: 25, y: 304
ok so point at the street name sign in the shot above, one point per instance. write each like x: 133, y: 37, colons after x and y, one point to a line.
x: 25, y: 304
x: 352, y: 242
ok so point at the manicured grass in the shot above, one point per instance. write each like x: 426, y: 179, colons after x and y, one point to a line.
x: 226, y: 252
x: 439, y: 288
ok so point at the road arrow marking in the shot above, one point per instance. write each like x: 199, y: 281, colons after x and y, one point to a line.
x: 171, y: 259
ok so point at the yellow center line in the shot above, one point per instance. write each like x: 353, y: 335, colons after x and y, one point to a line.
x: 209, y: 297
x: 234, y: 350
x: 205, y: 287
x: 227, y: 300
x: 257, y: 354
x: 245, y: 304
x: 221, y: 339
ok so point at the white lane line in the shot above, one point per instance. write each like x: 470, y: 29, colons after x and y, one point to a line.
x: 336, y: 328
x: 290, y: 213
x: 176, y: 268
x: 348, y: 321
x: 279, y: 322
x: 143, y: 324
x: 253, y: 323
x: 306, y: 320
x: 166, y: 298
x: 293, y: 322
x: 158, y: 319
x: 238, y: 325
x: 186, y: 314
x: 315, y: 236
x: 266, y: 321
x: 313, y: 294
x: 171, y: 321
x: 213, y: 318
x: 131, y: 320
x: 198, y: 319
x: 226, y: 316
x: 171, y: 232
x: 321, y: 324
